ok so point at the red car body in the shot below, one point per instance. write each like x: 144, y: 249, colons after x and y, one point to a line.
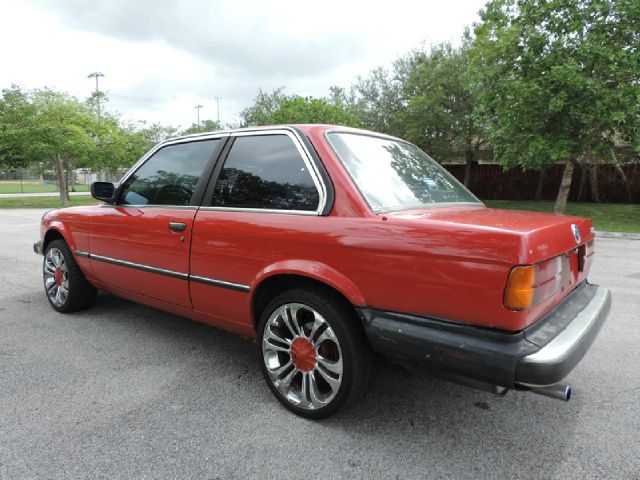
x: 448, y: 263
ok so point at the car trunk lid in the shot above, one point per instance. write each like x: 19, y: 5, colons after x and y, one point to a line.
x: 542, y: 236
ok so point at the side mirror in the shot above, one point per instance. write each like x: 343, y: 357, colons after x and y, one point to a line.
x: 103, y: 191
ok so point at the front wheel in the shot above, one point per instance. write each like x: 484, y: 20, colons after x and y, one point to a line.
x: 66, y: 287
x: 313, y: 353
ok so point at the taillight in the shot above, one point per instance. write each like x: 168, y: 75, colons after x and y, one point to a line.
x: 529, y: 285
x: 519, y: 293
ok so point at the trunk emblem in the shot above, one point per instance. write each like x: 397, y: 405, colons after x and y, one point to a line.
x: 576, y: 232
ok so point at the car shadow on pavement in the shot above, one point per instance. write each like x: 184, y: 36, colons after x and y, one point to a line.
x: 437, y: 418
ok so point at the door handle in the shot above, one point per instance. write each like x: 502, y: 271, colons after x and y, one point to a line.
x: 177, y: 226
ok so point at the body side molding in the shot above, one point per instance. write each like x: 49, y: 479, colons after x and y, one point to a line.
x: 169, y: 273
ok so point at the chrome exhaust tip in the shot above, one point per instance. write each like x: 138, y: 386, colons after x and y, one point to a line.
x: 559, y: 392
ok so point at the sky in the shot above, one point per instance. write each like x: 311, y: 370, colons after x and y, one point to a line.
x: 161, y: 58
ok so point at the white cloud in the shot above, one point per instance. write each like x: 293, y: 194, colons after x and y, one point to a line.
x: 162, y: 57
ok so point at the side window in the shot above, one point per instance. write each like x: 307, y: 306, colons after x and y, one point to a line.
x: 170, y: 176
x: 265, y: 171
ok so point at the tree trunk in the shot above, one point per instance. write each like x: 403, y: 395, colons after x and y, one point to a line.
x: 541, y: 175
x: 71, y: 177
x: 625, y: 180
x: 565, y: 187
x: 595, y: 193
x: 62, y: 181
x: 583, y: 180
x: 470, y: 156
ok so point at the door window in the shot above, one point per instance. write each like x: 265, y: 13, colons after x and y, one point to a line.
x: 266, y: 172
x: 170, y: 176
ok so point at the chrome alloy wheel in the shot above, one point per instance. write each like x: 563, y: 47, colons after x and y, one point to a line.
x: 302, y: 356
x: 56, y: 277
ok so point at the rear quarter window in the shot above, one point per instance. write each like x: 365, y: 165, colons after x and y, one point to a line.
x: 265, y: 172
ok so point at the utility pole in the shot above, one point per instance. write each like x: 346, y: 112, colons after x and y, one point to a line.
x: 97, y: 75
x: 198, y: 107
x: 217, y: 99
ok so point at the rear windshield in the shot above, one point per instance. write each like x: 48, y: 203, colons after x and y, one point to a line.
x: 394, y: 175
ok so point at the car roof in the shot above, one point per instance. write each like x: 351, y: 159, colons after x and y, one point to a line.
x: 304, y: 127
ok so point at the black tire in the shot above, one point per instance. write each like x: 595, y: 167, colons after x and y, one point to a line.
x: 80, y: 293
x: 350, y: 350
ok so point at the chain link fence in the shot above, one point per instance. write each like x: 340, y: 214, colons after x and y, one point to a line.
x: 35, y: 181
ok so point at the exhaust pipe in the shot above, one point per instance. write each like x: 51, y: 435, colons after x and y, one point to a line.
x: 559, y: 392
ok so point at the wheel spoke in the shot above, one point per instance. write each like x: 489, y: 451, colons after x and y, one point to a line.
x: 326, y: 335
x: 292, y: 312
x: 314, y: 390
x: 304, y: 391
x: 318, y: 322
x: 276, y: 347
x: 272, y: 335
x: 277, y: 373
x: 333, y: 382
x: 284, y: 384
x: 49, y: 267
x: 59, y: 296
x: 333, y: 367
x: 284, y: 313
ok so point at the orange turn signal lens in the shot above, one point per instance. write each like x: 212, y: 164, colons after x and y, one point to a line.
x: 520, y: 288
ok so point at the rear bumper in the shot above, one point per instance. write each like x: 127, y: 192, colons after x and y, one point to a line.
x: 542, y: 354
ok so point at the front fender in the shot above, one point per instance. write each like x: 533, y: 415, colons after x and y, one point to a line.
x: 317, y: 271
x: 59, y: 227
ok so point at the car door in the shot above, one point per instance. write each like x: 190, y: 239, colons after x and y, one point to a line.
x: 262, y: 192
x: 141, y: 244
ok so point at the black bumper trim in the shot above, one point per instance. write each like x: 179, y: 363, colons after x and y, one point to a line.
x: 493, y: 356
x: 561, y: 354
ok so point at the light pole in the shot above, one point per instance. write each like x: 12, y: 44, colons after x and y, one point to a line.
x: 217, y: 99
x: 198, y: 107
x: 97, y: 75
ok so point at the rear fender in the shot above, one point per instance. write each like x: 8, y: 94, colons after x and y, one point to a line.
x: 317, y: 271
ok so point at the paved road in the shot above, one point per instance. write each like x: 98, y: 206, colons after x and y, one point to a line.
x: 125, y: 391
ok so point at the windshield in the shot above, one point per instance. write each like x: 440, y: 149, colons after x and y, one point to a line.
x: 394, y: 175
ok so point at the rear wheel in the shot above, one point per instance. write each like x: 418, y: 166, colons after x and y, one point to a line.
x: 313, y: 353
x: 66, y: 287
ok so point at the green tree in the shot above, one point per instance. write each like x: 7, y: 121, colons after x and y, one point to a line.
x: 16, y: 114
x: 118, y: 145
x: 156, y: 132
x: 376, y: 100
x: 557, y: 80
x: 205, y: 126
x: 438, y: 111
x: 59, y: 132
x: 314, y: 110
x: 264, y: 106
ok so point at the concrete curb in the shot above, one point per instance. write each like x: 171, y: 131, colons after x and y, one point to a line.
x: 627, y: 236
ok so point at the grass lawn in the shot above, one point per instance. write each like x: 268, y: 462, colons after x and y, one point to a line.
x: 44, y: 202
x: 608, y: 217
x: 34, y: 187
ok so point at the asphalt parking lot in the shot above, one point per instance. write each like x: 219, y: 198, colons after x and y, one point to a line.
x: 125, y: 391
